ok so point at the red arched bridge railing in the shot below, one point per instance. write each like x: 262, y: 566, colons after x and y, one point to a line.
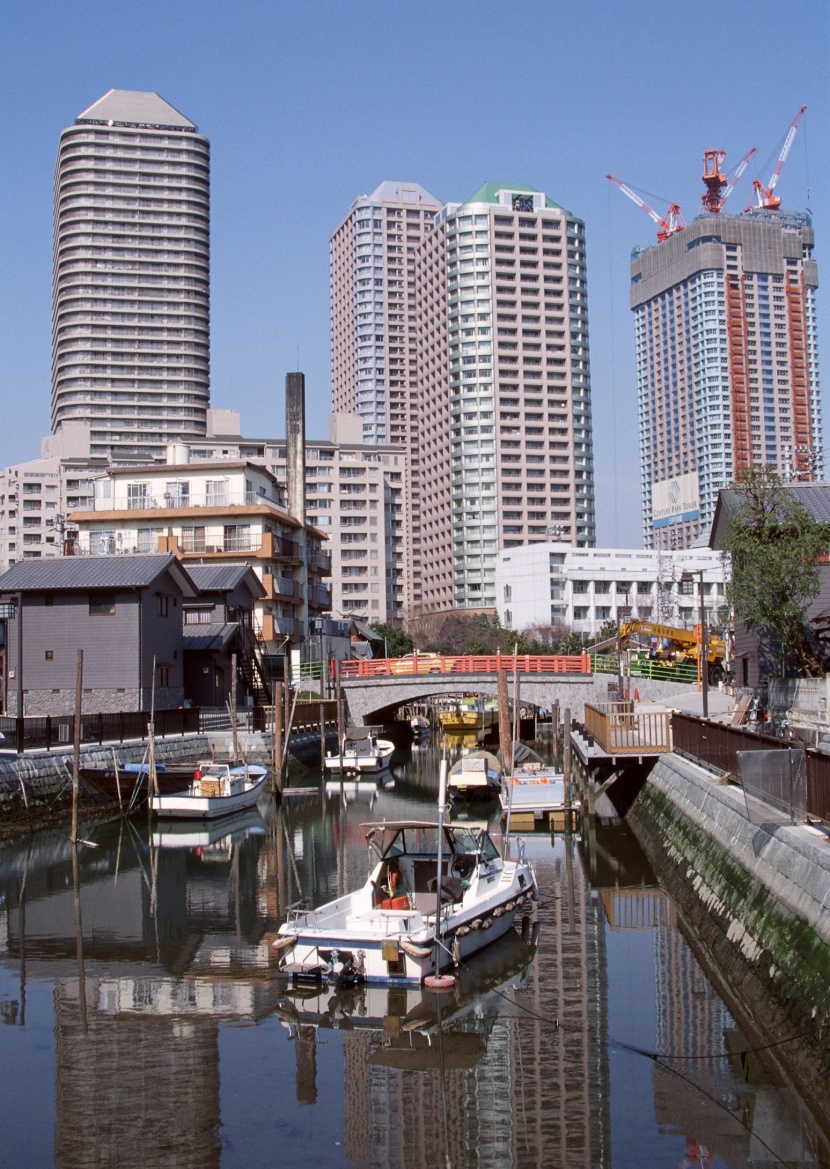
x: 423, y: 664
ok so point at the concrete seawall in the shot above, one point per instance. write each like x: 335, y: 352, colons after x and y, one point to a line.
x: 756, y: 896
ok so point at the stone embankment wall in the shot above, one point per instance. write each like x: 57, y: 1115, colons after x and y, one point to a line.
x: 42, y: 780
x: 757, y: 896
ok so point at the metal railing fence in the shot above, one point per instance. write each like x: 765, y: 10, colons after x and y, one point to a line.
x: 718, y: 744
x: 45, y: 732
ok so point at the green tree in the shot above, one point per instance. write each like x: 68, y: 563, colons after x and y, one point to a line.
x: 774, y: 545
x: 398, y: 643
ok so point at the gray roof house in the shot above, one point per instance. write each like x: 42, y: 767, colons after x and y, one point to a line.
x: 217, y: 624
x: 124, y: 612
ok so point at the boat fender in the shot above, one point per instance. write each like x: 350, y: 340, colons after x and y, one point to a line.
x: 462, y: 931
x: 535, y: 934
x: 510, y: 906
x: 281, y: 944
x: 197, y: 774
x: 498, y: 911
x: 420, y: 953
x: 476, y: 925
x: 456, y: 949
x: 485, y: 925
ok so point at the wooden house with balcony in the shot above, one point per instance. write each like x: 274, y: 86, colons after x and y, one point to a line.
x: 213, y: 512
x: 218, y: 624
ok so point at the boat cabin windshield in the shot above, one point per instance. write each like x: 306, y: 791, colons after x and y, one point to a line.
x: 421, y: 840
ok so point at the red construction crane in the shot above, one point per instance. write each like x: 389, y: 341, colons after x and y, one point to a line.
x: 672, y: 221
x: 765, y: 196
x: 712, y: 200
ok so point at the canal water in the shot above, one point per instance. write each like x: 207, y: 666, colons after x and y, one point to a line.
x: 144, y: 1024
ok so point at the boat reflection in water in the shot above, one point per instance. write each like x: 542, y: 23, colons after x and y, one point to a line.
x: 145, y: 1024
x: 413, y: 1029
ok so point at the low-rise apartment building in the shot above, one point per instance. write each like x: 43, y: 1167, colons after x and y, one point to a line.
x: 354, y: 493
x: 554, y: 584
x: 213, y: 512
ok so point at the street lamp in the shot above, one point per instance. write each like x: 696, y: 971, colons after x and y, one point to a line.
x: 703, y: 652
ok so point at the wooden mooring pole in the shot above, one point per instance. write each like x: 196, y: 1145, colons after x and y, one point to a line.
x: 76, y: 743
x: 504, y: 724
x: 567, y: 764
x: 277, y: 737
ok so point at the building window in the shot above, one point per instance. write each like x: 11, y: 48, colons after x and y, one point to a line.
x: 198, y: 616
x: 507, y: 592
x: 163, y: 676
x: 162, y: 605
x: 49, y: 655
x: 102, y: 605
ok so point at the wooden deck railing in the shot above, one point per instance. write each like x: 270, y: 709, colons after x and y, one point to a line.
x: 619, y: 730
x: 469, y: 664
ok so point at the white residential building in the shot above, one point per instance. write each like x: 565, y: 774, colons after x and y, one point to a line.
x: 355, y: 493
x: 35, y: 499
x: 554, y: 584
x: 215, y: 512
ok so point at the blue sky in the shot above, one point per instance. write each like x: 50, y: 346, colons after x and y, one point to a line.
x: 308, y: 105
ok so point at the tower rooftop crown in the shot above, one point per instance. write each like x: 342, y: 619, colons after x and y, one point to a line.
x: 134, y: 107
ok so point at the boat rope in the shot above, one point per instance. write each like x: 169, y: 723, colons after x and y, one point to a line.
x: 654, y: 1056
x: 710, y: 1096
x: 460, y: 963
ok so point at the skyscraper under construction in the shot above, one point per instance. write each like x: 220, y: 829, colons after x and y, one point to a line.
x: 727, y: 364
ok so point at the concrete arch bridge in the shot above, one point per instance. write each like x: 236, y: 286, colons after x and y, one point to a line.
x: 375, y: 689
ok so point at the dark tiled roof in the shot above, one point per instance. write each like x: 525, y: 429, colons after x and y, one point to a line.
x: 814, y: 497
x: 204, y: 638
x: 222, y: 577
x: 91, y: 572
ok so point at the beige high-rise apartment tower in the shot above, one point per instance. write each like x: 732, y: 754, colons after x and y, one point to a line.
x: 131, y: 278
x: 484, y: 355
x: 374, y: 331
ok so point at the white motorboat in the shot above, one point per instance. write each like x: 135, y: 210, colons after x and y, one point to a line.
x: 362, y: 751
x: 216, y: 789
x: 386, y: 930
x: 475, y: 776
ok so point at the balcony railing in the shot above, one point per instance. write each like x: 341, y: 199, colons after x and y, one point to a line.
x: 168, y: 500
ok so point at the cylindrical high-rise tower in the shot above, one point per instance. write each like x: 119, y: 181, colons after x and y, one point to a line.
x: 131, y: 276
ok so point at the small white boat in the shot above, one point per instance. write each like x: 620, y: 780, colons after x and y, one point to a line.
x: 216, y: 789
x: 386, y: 930
x: 535, y: 788
x: 475, y: 776
x: 362, y: 751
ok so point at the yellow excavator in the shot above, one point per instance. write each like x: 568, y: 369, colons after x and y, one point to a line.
x: 669, y: 645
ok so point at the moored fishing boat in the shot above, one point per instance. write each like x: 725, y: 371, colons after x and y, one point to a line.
x: 362, y: 751
x: 215, y: 789
x: 128, y: 783
x: 534, y: 788
x: 475, y: 776
x: 471, y: 714
x: 386, y: 930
